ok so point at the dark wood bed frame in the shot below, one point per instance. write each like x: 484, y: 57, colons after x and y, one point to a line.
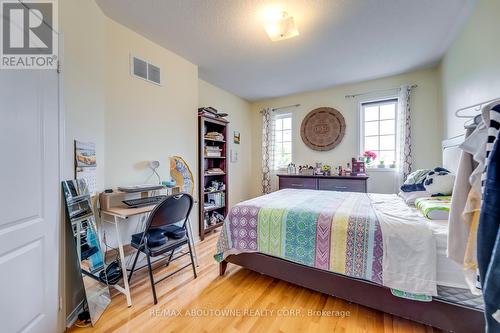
x: 437, y: 313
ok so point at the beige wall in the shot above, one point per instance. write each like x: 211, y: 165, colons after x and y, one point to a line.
x: 426, y: 124
x: 239, y: 119
x: 83, y: 79
x: 470, y: 70
x: 83, y: 91
x: 133, y: 121
x: 130, y: 119
x: 145, y: 121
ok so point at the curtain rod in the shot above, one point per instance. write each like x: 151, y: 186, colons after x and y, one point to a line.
x: 284, y: 107
x: 413, y: 86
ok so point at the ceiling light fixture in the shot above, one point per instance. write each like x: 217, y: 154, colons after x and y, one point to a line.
x: 280, y: 26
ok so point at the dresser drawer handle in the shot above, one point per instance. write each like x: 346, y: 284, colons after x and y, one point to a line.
x: 341, y: 187
x: 298, y: 185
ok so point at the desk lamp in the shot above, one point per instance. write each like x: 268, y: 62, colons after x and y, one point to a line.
x: 155, y: 165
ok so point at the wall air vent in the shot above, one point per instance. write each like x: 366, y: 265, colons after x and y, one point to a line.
x: 154, y: 74
x: 146, y: 71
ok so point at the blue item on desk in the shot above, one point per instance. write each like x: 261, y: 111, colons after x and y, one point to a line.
x: 169, y: 183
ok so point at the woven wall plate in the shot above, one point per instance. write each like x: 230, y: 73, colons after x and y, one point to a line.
x: 323, y: 129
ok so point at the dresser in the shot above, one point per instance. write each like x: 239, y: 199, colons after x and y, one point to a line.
x: 325, y: 183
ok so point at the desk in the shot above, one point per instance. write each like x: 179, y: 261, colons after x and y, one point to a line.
x: 125, y: 212
x: 120, y: 213
x: 114, y: 215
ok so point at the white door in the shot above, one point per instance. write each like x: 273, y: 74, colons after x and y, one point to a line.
x: 29, y: 200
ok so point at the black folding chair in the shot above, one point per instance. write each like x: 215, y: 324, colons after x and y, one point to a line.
x: 154, y: 241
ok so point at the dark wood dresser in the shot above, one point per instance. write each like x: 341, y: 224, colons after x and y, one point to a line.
x: 325, y: 183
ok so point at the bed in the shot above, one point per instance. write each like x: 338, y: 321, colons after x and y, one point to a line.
x: 370, y: 249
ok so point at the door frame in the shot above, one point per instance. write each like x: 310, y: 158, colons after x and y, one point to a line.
x: 61, y: 313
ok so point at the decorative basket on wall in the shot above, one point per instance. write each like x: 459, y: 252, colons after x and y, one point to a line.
x: 323, y: 129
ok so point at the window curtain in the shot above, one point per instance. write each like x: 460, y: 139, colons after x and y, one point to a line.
x: 267, y: 150
x: 404, y: 151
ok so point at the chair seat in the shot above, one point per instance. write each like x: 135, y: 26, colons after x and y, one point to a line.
x: 173, y: 231
x: 156, y: 237
x: 169, y: 245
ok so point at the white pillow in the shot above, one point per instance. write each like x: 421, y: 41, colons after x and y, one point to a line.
x: 439, y: 183
x: 410, y: 197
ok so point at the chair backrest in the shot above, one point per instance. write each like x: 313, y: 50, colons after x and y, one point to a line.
x: 175, y: 208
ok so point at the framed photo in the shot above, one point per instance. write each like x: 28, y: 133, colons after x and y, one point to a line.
x: 237, y: 137
x: 86, y: 163
x: 85, y: 154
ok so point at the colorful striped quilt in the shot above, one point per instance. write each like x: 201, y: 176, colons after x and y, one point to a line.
x: 335, y: 231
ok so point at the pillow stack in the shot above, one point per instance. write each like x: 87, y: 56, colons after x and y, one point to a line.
x: 425, y: 183
x: 434, y: 182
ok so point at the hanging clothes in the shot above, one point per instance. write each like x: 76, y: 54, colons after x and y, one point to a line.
x: 471, y: 217
x: 493, y: 122
x: 458, y: 231
x: 466, y: 203
x: 488, y: 238
x: 470, y: 168
x: 475, y: 145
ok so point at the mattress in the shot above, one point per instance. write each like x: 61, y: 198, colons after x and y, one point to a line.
x: 449, y: 273
x: 359, y: 235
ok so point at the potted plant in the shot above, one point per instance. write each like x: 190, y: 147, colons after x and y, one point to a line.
x: 369, y: 156
x: 393, y: 165
x: 381, y: 164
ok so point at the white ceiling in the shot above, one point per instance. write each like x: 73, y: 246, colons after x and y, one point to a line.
x: 340, y: 41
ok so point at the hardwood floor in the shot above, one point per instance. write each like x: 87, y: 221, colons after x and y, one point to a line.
x: 197, y: 305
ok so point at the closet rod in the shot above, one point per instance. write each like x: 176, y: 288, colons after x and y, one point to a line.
x: 413, y: 86
x: 477, y: 107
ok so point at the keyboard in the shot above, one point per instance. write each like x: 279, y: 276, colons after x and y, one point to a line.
x: 141, y: 202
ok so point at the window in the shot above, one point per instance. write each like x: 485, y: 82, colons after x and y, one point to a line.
x: 378, y: 129
x: 282, y: 140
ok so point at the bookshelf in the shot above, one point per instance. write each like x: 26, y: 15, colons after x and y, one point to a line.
x: 213, y: 173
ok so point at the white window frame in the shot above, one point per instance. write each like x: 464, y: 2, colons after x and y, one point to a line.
x: 276, y: 117
x: 361, y: 127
